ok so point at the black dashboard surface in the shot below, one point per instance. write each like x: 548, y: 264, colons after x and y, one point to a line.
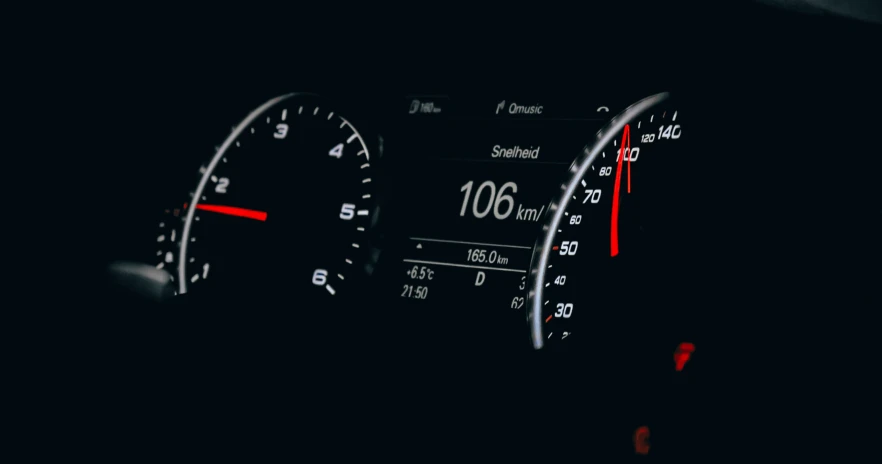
x: 769, y: 256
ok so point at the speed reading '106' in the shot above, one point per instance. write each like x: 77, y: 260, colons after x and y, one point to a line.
x: 485, y: 200
x: 596, y: 227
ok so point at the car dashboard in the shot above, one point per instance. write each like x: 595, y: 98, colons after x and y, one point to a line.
x: 617, y: 252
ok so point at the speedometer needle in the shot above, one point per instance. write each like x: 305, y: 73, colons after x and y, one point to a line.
x: 233, y: 211
x: 614, y: 222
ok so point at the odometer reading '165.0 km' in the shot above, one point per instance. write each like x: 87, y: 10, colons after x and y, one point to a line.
x: 595, y: 233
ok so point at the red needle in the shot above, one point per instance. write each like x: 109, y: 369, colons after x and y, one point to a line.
x: 614, y: 222
x: 629, y: 160
x: 233, y: 211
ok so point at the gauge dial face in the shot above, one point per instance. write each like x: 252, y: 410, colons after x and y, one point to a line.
x: 590, y: 256
x: 284, y: 206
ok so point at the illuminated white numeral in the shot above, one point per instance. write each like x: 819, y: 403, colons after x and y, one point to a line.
x: 669, y: 132
x: 560, y: 280
x: 337, y: 151
x: 575, y: 219
x: 605, y: 171
x: 631, y: 154
x: 592, y: 195
x: 564, y: 310
x: 281, y: 131
x: 569, y: 248
x: 347, y: 211
x: 319, y: 277
x: 467, y: 188
x: 494, y: 203
x: 487, y: 184
x: 222, y: 185
x: 505, y: 198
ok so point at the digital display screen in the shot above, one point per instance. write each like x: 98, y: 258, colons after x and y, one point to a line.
x: 480, y: 176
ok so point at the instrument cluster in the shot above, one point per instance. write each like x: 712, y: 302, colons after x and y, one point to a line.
x: 472, y: 220
x: 594, y: 241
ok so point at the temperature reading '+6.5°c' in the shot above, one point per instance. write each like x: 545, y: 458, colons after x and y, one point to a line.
x: 421, y: 273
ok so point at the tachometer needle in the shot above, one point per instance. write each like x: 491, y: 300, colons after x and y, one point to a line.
x: 625, y: 150
x: 233, y: 211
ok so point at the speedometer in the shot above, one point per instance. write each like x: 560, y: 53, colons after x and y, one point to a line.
x: 590, y: 260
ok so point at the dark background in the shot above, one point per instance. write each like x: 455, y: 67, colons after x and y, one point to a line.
x: 788, y: 106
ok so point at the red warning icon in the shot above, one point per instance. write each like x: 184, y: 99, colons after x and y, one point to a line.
x: 641, y: 440
x: 682, y: 354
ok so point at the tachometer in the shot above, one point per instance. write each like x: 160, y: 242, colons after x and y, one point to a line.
x: 285, y: 204
x: 589, y: 262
